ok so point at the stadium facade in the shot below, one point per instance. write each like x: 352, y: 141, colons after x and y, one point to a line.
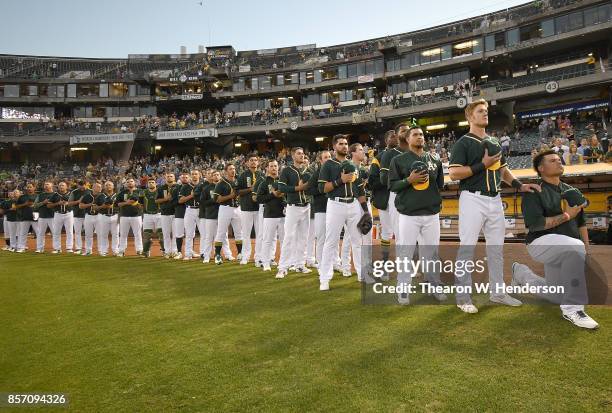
x: 543, y: 58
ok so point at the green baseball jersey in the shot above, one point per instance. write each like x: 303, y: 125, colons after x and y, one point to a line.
x: 537, y: 206
x: 148, y: 202
x: 224, y: 188
x: 179, y: 209
x: 274, y: 207
x: 380, y: 192
x: 468, y: 151
x: 289, y: 178
x: 385, y: 163
x: 256, y: 189
x: 107, y: 203
x: 410, y: 201
x: 248, y: 179
x: 330, y: 172
x: 76, y: 195
x: 207, y: 200
x: 319, y: 200
x: 89, y: 198
x: 168, y: 207
x: 205, y: 186
x: 25, y: 213
x: 11, y: 214
x: 43, y: 210
x: 189, y: 189
x: 58, y: 196
x: 129, y: 210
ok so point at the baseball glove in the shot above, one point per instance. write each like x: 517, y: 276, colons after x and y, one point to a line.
x: 365, y: 223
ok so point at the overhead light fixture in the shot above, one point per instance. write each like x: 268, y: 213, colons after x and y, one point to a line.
x: 319, y: 139
x: 436, y: 127
x: 78, y: 148
x: 431, y: 52
x: 484, y: 76
x: 466, y: 45
x: 464, y: 123
x: 157, y: 147
x: 237, y: 144
x: 590, y: 54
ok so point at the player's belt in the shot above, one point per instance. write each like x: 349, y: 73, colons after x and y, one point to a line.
x: 63, y: 213
x: 344, y: 200
x: 490, y: 194
x: 109, y: 215
x: 298, y: 205
x: 194, y: 207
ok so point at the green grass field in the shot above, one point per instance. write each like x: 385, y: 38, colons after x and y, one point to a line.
x: 155, y: 335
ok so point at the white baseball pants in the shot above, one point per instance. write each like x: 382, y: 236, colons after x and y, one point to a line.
x: 564, y: 260
x: 338, y: 215
x: 78, y: 229
x: 293, y: 249
x: 273, y: 228
x: 22, y: 233
x: 125, y: 223
x: 479, y: 212
x: 105, y: 226
x: 63, y: 221
x: 90, y: 224
x: 425, y: 230
x: 191, y: 222
x: 167, y: 225
x: 228, y: 216
x: 43, y: 224
x: 207, y: 241
x: 248, y: 219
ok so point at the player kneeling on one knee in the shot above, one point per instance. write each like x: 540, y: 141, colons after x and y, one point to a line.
x: 557, y: 238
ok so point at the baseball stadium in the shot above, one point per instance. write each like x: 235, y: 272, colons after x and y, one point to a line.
x: 260, y: 204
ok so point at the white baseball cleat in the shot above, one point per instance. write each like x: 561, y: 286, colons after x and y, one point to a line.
x: 505, y: 300
x: 166, y: 256
x: 20, y: 250
x: 338, y: 268
x: 324, y: 286
x: 6, y: 248
x: 468, y: 308
x: 346, y: 273
x: 258, y: 264
x: 281, y: 274
x: 119, y: 254
x: 102, y: 254
x: 267, y: 267
x: 581, y: 319
x: 218, y: 260
x: 273, y: 263
x: 292, y: 268
x: 187, y: 258
x: 303, y: 270
x: 78, y: 252
x: 39, y: 251
x: 178, y: 256
x: 403, y: 299
x: 239, y: 257
x: 243, y: 262
x: 230, y: 259
x: 88, y: 253
x: 69, y: 251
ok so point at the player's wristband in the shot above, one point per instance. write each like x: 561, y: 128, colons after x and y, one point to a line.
x: 516, y: 184
x: 364, y: 206
x: 567, y: 216
x: 477, y: 168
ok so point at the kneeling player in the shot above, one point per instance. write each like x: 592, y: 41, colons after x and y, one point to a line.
x: 558, y: 239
